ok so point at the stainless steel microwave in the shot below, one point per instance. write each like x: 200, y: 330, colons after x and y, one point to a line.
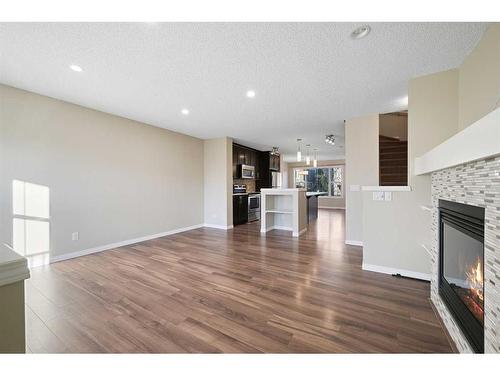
x: 246, y: 171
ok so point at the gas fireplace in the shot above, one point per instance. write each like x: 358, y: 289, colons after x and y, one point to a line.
x: 461, y: 267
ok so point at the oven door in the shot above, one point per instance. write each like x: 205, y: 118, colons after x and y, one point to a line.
x: 253, y: 207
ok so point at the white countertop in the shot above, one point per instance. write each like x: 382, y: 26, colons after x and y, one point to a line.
x: 13, y: 267
x: 285, y: 190
x: 316, y: 193
x: 478, y: 141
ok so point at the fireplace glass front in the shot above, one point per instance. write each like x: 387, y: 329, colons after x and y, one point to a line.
x: 462, y: 267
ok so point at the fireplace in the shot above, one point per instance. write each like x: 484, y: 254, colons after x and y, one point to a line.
x: 461, y: 267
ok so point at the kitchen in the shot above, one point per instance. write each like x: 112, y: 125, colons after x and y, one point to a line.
x: 253, y: 170
x: 255, y: 173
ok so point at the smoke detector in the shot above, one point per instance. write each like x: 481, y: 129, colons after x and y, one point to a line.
x: 361, y: 32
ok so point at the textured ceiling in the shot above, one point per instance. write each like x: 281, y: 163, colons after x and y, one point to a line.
x: 308, y: 77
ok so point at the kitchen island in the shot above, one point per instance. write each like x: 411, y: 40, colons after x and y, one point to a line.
x: 13, y: 271
x: 284, y: 209
x: 312, y: 204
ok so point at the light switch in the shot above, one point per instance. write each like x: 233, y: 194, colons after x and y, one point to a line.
x: 378, y: 195
x: 388, y: 196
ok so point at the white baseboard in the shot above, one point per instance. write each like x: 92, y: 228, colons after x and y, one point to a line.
x: 395, y: 271
x: 332, y: 208
x: 354, y: 243
x: 110, y: 246
x: 216, y: 226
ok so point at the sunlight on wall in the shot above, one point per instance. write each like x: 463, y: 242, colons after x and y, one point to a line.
x: 31, y: 225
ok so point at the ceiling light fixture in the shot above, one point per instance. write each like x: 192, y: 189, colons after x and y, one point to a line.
x: 185, y: 111
x: 275, y: 151
x: 361, y: 32
x: 308, y: 158
x: 299, y: 151
x: 250, y: 94
x: 76, y: 68
x: 315, y: 161
x: 330, y: 139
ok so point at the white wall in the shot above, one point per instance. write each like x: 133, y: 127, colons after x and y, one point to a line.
x: 394, y: 125
x: 110, y: 178
x: 218, y: 179
x: 479, y: 79
x: 361, y: 144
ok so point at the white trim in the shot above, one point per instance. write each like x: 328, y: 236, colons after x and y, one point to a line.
x: 216, y: 226
x: 354, y: 243
x: 395, y: 271
x: 477, y: 141
x: 386, y: 188
x: 332, y: 208
x: 98, y: 249
x: 426, y: 248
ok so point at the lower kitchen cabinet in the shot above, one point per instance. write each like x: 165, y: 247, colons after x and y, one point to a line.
x: 240, y: 209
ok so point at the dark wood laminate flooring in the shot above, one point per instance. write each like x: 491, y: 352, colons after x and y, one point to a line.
x: 212, y: 291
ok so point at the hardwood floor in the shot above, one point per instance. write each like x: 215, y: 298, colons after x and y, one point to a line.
x: 211, y: 291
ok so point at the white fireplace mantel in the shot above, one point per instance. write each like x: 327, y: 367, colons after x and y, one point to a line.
x: 478, y: 141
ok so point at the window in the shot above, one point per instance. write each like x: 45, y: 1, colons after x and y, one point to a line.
x: 324, y: 179
x: 31, y: 227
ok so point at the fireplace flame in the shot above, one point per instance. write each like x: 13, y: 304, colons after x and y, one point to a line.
x: 475, y: 279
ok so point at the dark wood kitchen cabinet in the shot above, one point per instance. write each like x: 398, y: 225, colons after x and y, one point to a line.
x: 267, y: 164
x: 274, y: 163
x: 247, y: 156
x: 240, y: 209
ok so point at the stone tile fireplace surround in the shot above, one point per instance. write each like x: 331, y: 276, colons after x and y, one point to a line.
x: 476, y: 183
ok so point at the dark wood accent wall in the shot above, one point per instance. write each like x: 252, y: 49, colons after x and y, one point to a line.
x: 393, y: 161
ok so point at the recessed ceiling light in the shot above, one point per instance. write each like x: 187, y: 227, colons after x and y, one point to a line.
x: 76, y: 68
x: 361, y: 32
x: 185, y: 111
x: 250, y: 94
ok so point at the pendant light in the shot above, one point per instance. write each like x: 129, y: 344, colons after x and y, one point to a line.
x: 315, y: 161
x: 308, y: 158
x: 299, y: 152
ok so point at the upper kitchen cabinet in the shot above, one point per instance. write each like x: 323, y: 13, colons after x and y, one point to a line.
x: 274, y: 162
x: 270, y: 162
x: 247, y: 156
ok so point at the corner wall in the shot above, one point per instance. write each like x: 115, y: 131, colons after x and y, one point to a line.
x: 218, y: 179
x: 361, y: 151
x: 479, y: 77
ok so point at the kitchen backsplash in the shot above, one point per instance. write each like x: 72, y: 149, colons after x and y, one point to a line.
x: 249, y: 183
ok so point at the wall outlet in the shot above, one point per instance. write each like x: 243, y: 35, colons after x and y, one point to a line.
x: 74, y: 236
x: 388, y: 196
x: 378, y: 195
